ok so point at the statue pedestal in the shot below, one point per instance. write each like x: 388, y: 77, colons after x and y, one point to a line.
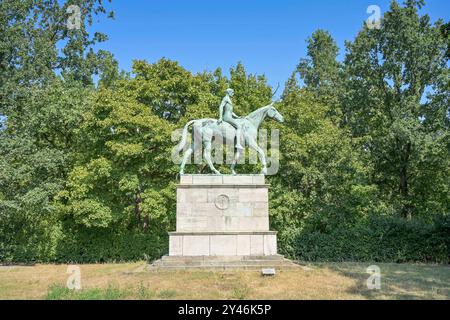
x: 222, y: 223
x: 222, y: 216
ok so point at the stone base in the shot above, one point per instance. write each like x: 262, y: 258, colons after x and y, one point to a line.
x: 222, y: 222
x: 238, y: 244
x: 220, y: 263
x: 208, y: 203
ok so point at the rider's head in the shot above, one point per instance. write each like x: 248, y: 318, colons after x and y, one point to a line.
x: 229, y: 92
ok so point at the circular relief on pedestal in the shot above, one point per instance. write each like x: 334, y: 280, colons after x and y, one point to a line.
x: 222, y: 202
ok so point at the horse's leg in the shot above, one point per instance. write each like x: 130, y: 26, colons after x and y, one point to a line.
x: 193, y: 147
x: 237, y: 155
x: 262, y: 156
x: 186, y: 157
x: 207, y: 138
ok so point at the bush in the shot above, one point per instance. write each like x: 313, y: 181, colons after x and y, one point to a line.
x: 88, y: 246
x: 102, y: 246
x: 377, y: 239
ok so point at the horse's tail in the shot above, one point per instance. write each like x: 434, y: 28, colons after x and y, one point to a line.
x: 183, y: 141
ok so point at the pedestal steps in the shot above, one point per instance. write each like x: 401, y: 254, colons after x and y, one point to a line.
x: 222, y: 263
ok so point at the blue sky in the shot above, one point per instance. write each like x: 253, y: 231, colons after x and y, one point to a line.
x: 267, y: 36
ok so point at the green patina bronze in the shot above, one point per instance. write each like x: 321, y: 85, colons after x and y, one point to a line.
x: 230, y: 128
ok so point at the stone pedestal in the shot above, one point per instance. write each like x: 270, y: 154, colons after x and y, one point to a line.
x: 226, y: 216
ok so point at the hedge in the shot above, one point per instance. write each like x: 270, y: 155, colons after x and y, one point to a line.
x: 376, y: 239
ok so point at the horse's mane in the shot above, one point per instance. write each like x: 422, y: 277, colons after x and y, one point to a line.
x: 256, y: 112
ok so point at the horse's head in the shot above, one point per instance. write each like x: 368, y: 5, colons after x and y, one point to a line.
x: 274, y: 114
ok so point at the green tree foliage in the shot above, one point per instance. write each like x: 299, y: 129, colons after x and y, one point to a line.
x: 388, y: 156
x: 34, y: 162
x: 251, y: 91
x: 122, y: 176
x: 29, y: 177
x: 40, y: 113
x: 86, y: 172
x: 29, y: 53
x: 445, y: 29
x: 321, y: 72
x: 322, y: 181
x: 171, y: 91
x: 397, y: 103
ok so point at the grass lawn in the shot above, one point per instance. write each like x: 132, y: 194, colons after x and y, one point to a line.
x: 312, y: 281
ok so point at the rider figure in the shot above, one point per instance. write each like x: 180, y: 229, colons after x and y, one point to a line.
x: 227, y: 115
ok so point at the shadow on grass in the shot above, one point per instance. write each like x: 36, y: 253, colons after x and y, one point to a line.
x: 399, y: 281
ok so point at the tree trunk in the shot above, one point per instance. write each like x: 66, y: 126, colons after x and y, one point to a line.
x: 404, y: 189
x: 137, y: 207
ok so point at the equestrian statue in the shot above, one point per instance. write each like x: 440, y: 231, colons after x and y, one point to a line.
x: 230, y: 128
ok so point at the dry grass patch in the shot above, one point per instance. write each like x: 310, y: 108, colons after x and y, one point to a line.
x: 315, y: 281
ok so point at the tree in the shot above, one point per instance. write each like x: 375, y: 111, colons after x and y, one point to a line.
x: 445, y: 29
x: 29, y: 54
x: 321, y: 72
x: 251, y: 90
x: 322, y: 182
x: 392, y: 90
x: 46, y: 74
x: 33, y: 169
x: 171, y: 91
x: 123, y: 148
